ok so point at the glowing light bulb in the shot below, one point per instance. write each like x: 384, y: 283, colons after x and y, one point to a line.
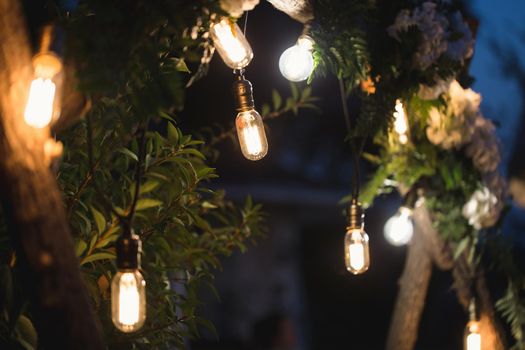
x: 252, y: 137
x: 357, y: 256
x: 128, y: 300
x: 399, y: 228
x: 297, y: 63
x: 400, y: 122
x: 472, y: 336
x: 231, y: 44
x: 42, y: 105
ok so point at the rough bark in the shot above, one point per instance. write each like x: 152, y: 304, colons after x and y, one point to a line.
x: 413, y: 287
x: 300, y: 10
x: 33, y: 205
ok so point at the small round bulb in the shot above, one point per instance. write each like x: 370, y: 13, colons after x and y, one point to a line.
x: 357, y: 256
x: 128, y: 300
x: 297, y: 63
x: 399, y: 228
x: 472, y: 336
x: 231, y: 44
x: 251, y: 134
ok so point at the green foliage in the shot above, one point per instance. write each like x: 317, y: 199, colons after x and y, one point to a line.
x: 129, y: 156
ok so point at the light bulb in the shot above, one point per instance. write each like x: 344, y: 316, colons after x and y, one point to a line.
x: 472, y: 336
x: 128, y: 300
x: 42, y: 104
x: 357, y: 256
x: 252, y: 137
x: 399, y: 228
x: 231, y: 44
x: 400, y: 122
x: 297, y: 63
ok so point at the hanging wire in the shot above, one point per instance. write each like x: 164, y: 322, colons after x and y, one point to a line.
x: 245, y: 22
x: 355, y: 152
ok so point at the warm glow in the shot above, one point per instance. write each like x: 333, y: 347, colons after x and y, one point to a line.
x: 473, y: 337
x: 297, y: 63
x: 252, y: 137
x: 357, y: 257
x: 400, y: 122
x: 128, y: 301
x: 399, y: 228
x: 231, y: 44
x: 39, y: 108
x: 129, y: 296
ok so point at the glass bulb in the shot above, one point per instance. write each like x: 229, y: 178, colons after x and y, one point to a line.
x: 357, y: 256
x: 400, y: 122
x: 42, y: 105
x: 128, y: 300
x: 297, y: 63
x: 231, y: 44
x: 252, y: 138
x: 472, y: 336
x: 399, y: 228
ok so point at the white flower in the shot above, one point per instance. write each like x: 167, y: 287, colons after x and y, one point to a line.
x: 483, y: 147
x: 483, y: 209
x: 235, y: 8
x: 454, y: 126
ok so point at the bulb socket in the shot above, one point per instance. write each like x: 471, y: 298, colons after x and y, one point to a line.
x: 128, y: 247
x: 243, y: 93
x: 356, y: 215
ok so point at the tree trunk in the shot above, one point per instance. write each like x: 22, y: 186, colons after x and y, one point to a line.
x: 33, y: 205
x: 413, y: 287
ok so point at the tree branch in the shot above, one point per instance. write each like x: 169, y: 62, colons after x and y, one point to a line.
x: 33, y: 205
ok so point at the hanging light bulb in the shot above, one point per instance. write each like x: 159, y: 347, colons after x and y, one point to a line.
x: 400, y: 122
x: 249, y: 124
x: 231, y: 44
x: 297, y: 63
x: 128, y: 288
x: 43, y: 104
x: 472, y: 331
x: 357, y: 256
x: 399, y: 228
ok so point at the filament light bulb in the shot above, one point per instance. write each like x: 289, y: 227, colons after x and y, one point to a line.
x: 128, y: 300
x: 42, y: 104
x: 297, y: 63
x: 357, y: 256
x: 128, y: 288
x: 252, y: 137
x: 472, y: 336
x: 400, y: 122
x: 231, y: 44
x: 249, y: 124
x: 399, y: 229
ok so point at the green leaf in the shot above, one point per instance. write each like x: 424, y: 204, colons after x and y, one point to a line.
x: 462, y: 245
x: 80, y: 247
x: 277, y: 100
x: 98, y: 256
x: 128, y: 153
x: 180, y: 65
x: 173, y: 134
x: 147, y: 203
x: 26, y: 333
x: 100, y: 220
x: 149, y: 186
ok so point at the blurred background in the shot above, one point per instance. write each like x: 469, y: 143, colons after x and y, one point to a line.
x: 292, y: 285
